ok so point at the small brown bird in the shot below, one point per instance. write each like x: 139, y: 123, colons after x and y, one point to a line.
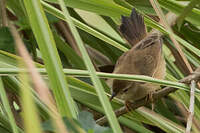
x: 144, y: 58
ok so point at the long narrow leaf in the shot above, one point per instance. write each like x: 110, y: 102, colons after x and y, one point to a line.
x: 84, y: 73
x: 7, y: 107
x: 96, y: 81
x: 46, y: 43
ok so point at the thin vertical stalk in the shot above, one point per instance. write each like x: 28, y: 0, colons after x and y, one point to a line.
x: 98, y: 86
x: 46, y: 43
x: 191, y: 108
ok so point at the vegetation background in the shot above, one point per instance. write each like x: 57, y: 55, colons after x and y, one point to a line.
x: 72, y: 43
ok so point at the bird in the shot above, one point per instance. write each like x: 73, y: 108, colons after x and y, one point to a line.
x: 144, y: 58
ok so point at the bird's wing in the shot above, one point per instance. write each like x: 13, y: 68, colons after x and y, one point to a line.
x: 142, y: 59
x: 147, y: 54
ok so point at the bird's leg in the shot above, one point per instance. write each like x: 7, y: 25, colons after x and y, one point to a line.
x: 128, y: 105
x: 150, y: 97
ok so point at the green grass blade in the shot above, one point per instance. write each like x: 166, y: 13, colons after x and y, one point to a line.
x: 7, y: 107
x: 96, y: 81
x: 91, y: 100
x: 14, y: 85
x: 148, y: 21
x: 157, y: 26
x: 186, y: 11
x: 5, y: 124
x: 177, y: 8
x: 30, y: 115
x: 84, y: 73
x: 102, y: 7
x: 165, y: 124
x: 69, y: 53
x: 82, y: 26
x: 46, y: 43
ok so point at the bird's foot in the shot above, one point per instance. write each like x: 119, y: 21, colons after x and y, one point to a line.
x: 149, y: 97
x: 128, y: 106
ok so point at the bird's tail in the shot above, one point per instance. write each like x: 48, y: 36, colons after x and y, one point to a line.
x: 133, y: 28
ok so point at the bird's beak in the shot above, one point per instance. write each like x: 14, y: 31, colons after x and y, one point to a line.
x: 112, y: 96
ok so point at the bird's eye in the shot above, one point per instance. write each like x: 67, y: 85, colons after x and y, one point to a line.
x: 125, y: 90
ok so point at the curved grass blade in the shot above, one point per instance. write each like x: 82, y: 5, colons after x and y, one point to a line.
x: 84, y: 73
x: 46, y: 43
x: 186, y: 11
x: 82, y: 26
x: 30, y: 115
x: 148, y: 21
x: 6, y: 104
x: 96, y: 81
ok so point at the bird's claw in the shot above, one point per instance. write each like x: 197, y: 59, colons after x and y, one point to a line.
x: 149, y: 97
x: 128, y: 106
